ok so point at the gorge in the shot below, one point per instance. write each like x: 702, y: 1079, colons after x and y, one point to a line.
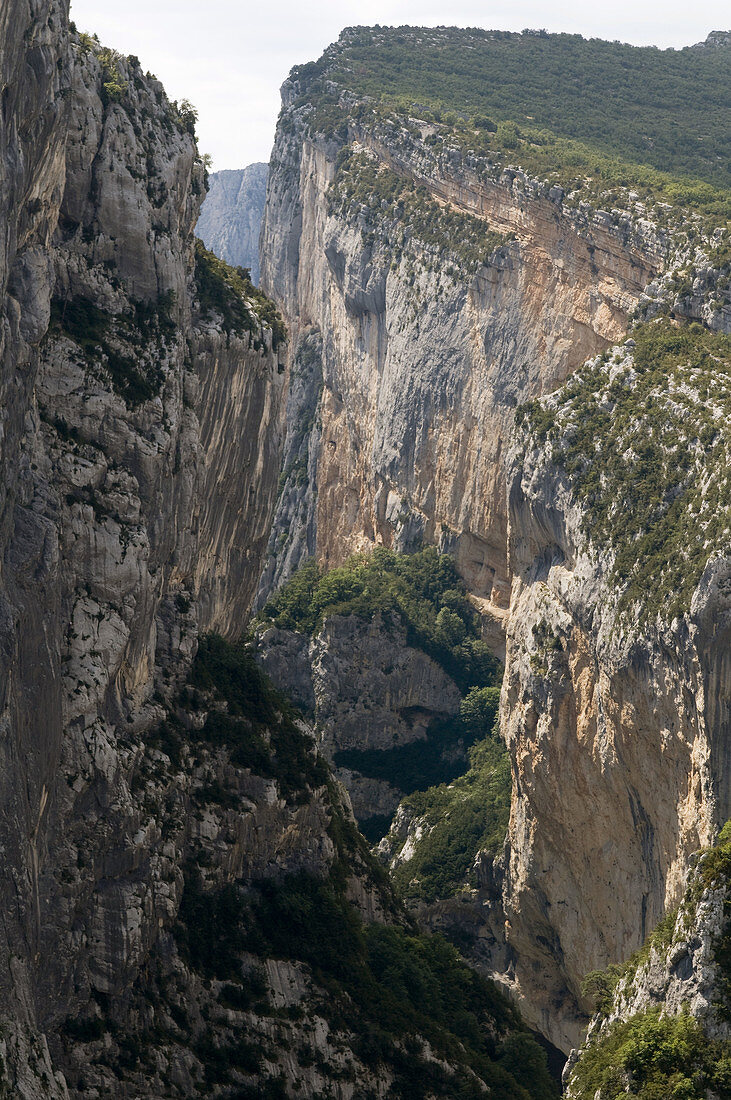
x: 365, y: 634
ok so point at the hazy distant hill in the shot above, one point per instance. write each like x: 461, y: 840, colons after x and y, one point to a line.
x: 231, y: 215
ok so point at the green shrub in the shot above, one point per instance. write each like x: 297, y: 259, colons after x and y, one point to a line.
x: 114, y: 88
x: 654, y: 1057
x: 252, y: 720
x: 418, y: 587
x: 390, y: 986
x: 462, y: 818
x: 649, y: 457
x: 598, y: 987
x: 229, y: 292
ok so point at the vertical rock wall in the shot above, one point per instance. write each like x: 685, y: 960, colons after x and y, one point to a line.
x: 619, y: 731
x: 140, y: 452
x: 230, y: 220
x: 423, y: 361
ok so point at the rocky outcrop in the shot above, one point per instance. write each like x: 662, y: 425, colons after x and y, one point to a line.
x: 613, y: 707
x: 165, y: 1005
x: 231, y: 214
x: 425, y: 347
x: 714, y: 40
x: 682, y: 971
x: 366, y: 689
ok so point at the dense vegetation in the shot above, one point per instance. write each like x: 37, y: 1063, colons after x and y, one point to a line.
x: 459, y: 819
x: 653, y: 1057
x: 230, y: 293
x: 250, y: 718
x: 646, y: 444
x: 599, y: 118
x: 438, y: 759
x: 663, y: 108
x: 423, y: 589
x: 391, y: 988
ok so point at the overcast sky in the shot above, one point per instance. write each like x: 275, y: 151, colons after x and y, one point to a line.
x: 229, y: 57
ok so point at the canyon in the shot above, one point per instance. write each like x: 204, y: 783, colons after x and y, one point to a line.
x: 409, y: 363
x: 230, y: 217
x: 488, y: 411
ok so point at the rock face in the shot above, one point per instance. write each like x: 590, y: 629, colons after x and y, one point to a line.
x: 365, y: 688
x: 684, y: 970
x: 107, y: 552
x: 231, y: 214
x: 165, y: 817
x: 147, y: 814
x: 407, y: 358
x: 241, y: 401
x: 616, y: 718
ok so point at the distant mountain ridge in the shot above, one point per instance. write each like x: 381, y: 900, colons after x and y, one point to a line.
x: 230, y: 218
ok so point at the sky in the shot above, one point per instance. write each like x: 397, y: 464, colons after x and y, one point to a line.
x: 229, y: 57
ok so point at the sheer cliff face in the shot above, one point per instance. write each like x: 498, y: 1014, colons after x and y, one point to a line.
x: 418, y: 352
x: 683, y: 967
x: 615, y: 712
x: 106, y: 551
x: 364, y: 688
x: 230, y: 221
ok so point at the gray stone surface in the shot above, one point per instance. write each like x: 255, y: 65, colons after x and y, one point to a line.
x: 421, y: 361
x: 619, y: 736
x: 365, y: 688
x: 680, y: 975
x: 230, y: 217
x: 125, y: 526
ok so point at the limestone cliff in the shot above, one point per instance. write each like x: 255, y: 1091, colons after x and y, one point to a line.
x: 428, y: 293
x: 385, y: 655
x: 231, y: 214
x: 188, y: 906
x: 670, y: 1000
x: 368, y: 691
x: 615, y: 699
x: 106, y: 551
x: 431, y: 291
